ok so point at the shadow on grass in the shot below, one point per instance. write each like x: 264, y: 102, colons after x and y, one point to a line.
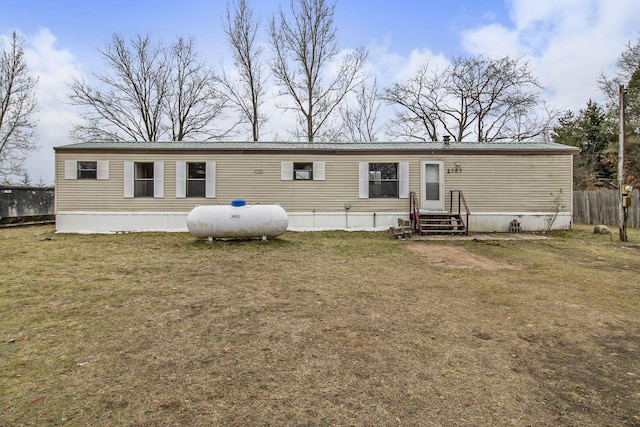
x: 227, y: 243
x: 288, y: 239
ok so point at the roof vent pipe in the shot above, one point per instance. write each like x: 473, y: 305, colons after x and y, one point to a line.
x: 446, y: 139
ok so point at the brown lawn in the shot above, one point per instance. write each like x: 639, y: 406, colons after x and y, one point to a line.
x: 318, y: 329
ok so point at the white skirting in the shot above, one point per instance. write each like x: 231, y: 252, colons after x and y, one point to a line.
x: 488, y: 222
x: 114, y: 222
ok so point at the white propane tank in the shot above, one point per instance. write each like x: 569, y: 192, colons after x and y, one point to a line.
x: 237, y: 220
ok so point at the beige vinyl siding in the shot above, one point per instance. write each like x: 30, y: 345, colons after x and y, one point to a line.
x: 108, y: 195
x: 257, y: 178
x: 494, y: 183
x: 491, y: 183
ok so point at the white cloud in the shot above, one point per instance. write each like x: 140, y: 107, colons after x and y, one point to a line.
x: 492, y: 40
x: 569, y: 43
x: 54, y: 69
x: 392, y: 67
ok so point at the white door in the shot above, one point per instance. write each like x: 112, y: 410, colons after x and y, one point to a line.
x: 432, y: 185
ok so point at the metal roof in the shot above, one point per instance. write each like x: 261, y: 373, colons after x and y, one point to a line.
x: 319, y: 146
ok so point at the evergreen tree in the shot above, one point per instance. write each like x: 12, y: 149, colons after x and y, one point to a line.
x: 632, y: 142
x: 592, y: 132
x: 629, y: 76
x: 633, y: 107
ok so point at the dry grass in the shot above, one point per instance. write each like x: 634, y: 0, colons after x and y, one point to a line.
x: 318, y: 329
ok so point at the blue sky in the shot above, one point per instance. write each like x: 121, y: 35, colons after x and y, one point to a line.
x: 568, y: 43
x: 84, y: 25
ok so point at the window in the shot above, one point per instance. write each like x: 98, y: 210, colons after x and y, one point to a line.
x: 87, y: 170
x: 302, y: 171
x: 143, y: 180
x: 432, y: 184
x: 383, y: 180
x: 196, y: 179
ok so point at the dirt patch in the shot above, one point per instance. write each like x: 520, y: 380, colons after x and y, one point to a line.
x: 446, y: 256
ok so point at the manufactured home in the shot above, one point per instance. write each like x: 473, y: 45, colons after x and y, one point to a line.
x: 152, y: 186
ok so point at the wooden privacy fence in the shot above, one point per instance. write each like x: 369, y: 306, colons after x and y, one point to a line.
x: 601, y: 207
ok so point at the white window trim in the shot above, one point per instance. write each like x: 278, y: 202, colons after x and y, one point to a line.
x: 210, y: 180
x: 128, y: 180
x: 403, y: 179
x: 318, y: 171
x: 286, y: 171
x: 70, y: 169
x: 363, y: 174
x: 102, y: 170
x: 158, y: 180
x: 181, y: 180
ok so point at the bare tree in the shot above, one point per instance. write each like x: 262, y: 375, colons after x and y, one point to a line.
x: 629, y: 75
x: 628, y: 63
x: 457, y: 109
x: 305, y: 47
x: 246, y: 91
x: 418, y: 100
x: 360, y: 120
x: 149, y: 93
x: 128, y: 103
x: 524, y: 125
x: 490, y: 94
x: 487, y: 99
x: 193, y: 100
x: 17, y: 109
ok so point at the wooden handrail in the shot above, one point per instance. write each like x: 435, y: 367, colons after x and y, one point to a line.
x: 461, y: 203
x: 414, y: 212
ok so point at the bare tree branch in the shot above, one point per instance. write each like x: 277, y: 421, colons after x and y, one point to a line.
x: 419, y: 99
x: 247, y: 91
x: 628, y: 63
x: 359, y: 120
x: 131, y: 104
x: 489, y: 99
x: 148, y: 93
x: 628, y: 75
x: 193, y: 101
x: 305, y: 47
x: 17, y: 109
x: 492, y: 93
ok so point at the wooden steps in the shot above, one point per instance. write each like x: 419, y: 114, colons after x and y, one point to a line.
x: 442, y: 223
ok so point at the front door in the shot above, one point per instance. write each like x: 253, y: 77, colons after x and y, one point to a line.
x: 432, y: 185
